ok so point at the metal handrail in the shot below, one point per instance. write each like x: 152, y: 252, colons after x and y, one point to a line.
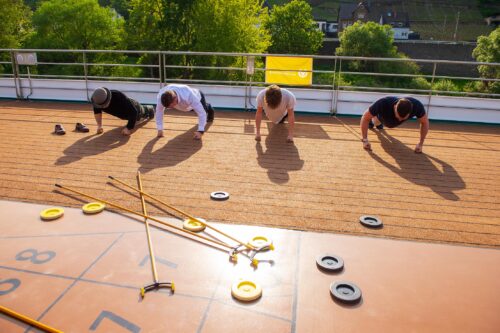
x: 424, y: 75
x: 249, y: 81
x: 237, y: 54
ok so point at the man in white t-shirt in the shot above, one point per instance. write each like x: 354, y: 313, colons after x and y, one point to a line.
x: 184, y: 98
x: 278, y: 104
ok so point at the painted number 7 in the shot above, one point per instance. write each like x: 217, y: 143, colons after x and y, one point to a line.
x: 117, y: 319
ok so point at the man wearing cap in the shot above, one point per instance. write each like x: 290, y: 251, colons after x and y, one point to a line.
x: 391, y: 112
x: 119, y: 105
x: 278, y: 104
x: 184, y: 98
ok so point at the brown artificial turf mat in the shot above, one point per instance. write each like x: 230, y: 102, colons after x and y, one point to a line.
x: 324, y: 181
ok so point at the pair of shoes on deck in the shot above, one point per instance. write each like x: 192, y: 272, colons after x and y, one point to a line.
x: 59, y: 129
x: 379, y: 127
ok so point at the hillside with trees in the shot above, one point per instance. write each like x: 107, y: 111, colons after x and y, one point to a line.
x: 433, y: 19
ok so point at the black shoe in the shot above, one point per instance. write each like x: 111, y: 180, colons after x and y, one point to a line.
x: 380, y: 127
x: 59, y: 130
x: 81, y: 128
x: 370, y: 125
x: 150, y: 111
x: 210, y: 113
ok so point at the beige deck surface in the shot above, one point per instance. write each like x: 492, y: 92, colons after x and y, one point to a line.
x: 323, y: 182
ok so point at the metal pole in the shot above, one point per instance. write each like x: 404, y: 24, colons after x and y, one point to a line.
x: 246, y: 91
x: 164, y: 69
x: 248, y: 246
x: 15, y: 72
x: 29, y: 80
x: 160, y: 72
x: 332, y: 110
x: 432, y: 88
x: 148, y: 234
x: 85, y: 75
x: 28, y: 320
x: 109, y: 203
x: 338, y: 86
x: 456, y: 27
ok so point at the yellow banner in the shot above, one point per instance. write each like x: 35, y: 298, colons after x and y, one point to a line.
x: 298, y: 70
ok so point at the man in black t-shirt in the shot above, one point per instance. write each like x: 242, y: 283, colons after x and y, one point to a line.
x: 117, y: 104
x: 391, y: 112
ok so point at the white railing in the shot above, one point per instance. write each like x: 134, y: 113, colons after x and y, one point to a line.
x: 35, y: 82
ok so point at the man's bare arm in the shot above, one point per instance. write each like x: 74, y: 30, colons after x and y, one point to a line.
x: 363, y: 124
x: 98, y: 120
x: 424, y: 129
x: 291, y: 124
x: 258, y: 119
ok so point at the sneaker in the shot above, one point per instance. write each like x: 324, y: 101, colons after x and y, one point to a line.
x: 59, y: 130
x: 81, y: 128
x: 150, y: 111
x: 370, y: 125
x: 380, y: 127
x: 210, y: 113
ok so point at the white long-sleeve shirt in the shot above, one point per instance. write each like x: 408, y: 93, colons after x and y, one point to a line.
x: 188, y: 99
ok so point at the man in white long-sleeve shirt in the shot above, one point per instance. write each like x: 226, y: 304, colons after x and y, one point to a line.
x: 184, y: 98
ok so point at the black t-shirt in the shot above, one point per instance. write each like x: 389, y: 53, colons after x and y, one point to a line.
x: 383, y: 109
x: 122, y: 107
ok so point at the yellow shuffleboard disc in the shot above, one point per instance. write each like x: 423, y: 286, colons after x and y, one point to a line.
x: 93, y: 207
x: 260, y: 241
x: 246, y: 290
x: 51, y: 213
x: 193, y: 225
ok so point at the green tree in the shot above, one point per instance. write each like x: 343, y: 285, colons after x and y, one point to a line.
x: 228, y: 26
x: 121, y: 6
x: 367, y: 40
x: 161, y: 25
x: 488, y: 50
x: 15, y: 26
x: 374, y: 40
x: 76, y: 24
x: 196, y: 25
x: 293, y: 30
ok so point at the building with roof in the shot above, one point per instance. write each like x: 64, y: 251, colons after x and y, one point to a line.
x: 364, y: 12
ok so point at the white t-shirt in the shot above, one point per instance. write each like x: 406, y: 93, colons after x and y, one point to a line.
x: 188, y: 98
x: 275, y: 115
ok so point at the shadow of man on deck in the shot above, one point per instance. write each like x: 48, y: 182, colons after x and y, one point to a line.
x: 419, y: 168
x: 91, y: 145
x: 175, y: 151
x: 280, y: 157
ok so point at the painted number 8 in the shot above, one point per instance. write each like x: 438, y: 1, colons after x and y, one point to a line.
x: 34, y: 256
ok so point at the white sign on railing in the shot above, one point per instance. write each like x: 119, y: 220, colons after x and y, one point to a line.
x: 26, y: 58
